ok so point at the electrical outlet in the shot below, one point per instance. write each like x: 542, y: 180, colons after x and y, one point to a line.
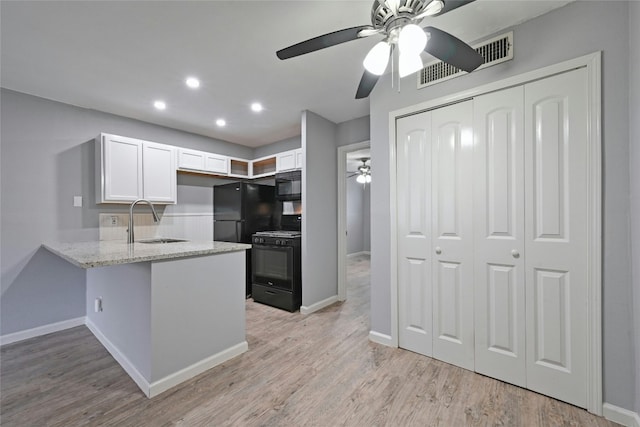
x: 114, y: 220
x: 97, y: 305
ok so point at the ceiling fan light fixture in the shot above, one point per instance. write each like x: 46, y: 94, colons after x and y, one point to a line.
x: 361, y: 179
x: 434, y: 7
x: 412, y: 39
x: 367, y: 179
x: 377, y: 59
x: 409, y: 63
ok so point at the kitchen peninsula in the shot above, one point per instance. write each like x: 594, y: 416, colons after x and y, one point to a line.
x: 165, y: 311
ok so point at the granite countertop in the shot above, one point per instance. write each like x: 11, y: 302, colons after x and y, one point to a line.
x: 112, y: 252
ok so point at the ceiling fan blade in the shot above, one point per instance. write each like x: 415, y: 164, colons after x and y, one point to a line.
x: 450, y: 5
x: 321, y: 42
x: 367, y: 83
x: 452, y: 50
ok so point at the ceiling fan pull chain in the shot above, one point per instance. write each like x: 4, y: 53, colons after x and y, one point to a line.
x: 393, y: 46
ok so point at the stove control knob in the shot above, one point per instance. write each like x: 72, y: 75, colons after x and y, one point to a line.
x: 277, y: 242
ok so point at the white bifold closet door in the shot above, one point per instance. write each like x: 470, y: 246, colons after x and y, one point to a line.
x: 452, y: 228
x: 492, y: 235
x: 556, y: 246
x: 499, y: 235
x: 415, y: 315
x: 435, y: 233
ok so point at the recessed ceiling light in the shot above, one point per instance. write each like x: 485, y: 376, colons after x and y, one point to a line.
x: 221, y: 122
x: 160, y: 105
x: 192, y: 82
x: 256, y: 106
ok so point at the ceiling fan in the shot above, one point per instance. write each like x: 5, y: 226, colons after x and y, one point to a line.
x: 363, y: 173
x: 396, y: 21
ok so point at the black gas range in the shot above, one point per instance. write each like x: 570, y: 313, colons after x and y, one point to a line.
x: 276, y: 269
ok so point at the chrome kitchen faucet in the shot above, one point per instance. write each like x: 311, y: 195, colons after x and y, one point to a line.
x: 130, y: 237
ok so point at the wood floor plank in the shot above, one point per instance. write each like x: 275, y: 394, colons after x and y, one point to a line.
x: 316, y: 370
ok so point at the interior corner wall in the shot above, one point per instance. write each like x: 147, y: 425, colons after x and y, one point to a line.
x: 319, y: 205
x: 634, y: 157
x: 577, y: 29
x: 277, y: 147
x: 47, y: 158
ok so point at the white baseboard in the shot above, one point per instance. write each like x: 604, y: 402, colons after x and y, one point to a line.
x: 319, y: 305
x: 197, y: 368
x: 359, y: 253
x: 379, y: 338
x: 164, y: 384
x: 620, y: 415
x: 41, y: 330
x: 135, y: 375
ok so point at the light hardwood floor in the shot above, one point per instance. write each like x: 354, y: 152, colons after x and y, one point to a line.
x: 316, y: 370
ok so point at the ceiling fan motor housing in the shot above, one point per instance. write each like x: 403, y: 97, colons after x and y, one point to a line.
x: 382, y: 15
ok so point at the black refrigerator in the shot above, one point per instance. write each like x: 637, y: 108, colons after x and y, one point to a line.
x: 240, y: 210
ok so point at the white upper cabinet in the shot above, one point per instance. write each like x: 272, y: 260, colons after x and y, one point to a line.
x: 216, y: 163
x: 118, y: 169
x: 286, y: 161
x: 200, y: 161
x: 299, y: 158
x: 190, y: 159
x: 159, y: 172
x: 128, y: 169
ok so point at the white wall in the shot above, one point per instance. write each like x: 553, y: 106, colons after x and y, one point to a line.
x: 319, y: 205
x: 47, y: 158
x: 634, y: 157
x: 577, y: 29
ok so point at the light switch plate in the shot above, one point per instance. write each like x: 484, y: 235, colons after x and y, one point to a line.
x: 77, y: 201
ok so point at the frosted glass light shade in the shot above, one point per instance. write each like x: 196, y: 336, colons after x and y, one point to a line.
x: 412, y: 39
x: 361, y: 179
x: 409, y: 63
x: 377, y: 59
x: 367, y: 179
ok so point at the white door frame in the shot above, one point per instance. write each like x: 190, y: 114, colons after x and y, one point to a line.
x: 342, y: 215
x: 592, y: 63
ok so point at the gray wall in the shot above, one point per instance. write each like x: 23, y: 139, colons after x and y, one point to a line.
x: 358, y: 239
x: 577, y: 29
x: 634, y: 156
x: 47, y: 158
x: 319, y: 204
x: 352, y: 131
x: 277, y: 147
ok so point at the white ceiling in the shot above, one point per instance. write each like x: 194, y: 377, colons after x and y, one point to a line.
x: 120, y: 56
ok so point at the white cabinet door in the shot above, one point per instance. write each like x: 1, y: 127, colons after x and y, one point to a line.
x: 286, y: 161
x: 159, y: 172
x: 191, y: 159
x: 120, y: 169
x: 556, y: 246
x: 299, y: 158
x: 499, y: 235
x: 452, y: 234
x: 216, y: 163
x: 414, y: 233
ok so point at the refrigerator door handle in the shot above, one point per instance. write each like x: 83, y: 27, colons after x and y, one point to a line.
x: 237, y: 233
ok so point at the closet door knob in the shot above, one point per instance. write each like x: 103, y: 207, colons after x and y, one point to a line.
x: 515, y: 254
x: 438, y: 250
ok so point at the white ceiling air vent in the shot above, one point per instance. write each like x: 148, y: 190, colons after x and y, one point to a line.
x: 494, y: 51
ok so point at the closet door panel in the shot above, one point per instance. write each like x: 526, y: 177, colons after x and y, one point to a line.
x: 414, y: 233
x: 452, y: 241
x: 499, y: 235
x: 556, y: 141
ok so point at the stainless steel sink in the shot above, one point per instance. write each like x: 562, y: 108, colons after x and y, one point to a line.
x: 161, y: 240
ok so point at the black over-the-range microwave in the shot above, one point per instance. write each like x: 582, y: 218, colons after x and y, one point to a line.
x: 289, y: 185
